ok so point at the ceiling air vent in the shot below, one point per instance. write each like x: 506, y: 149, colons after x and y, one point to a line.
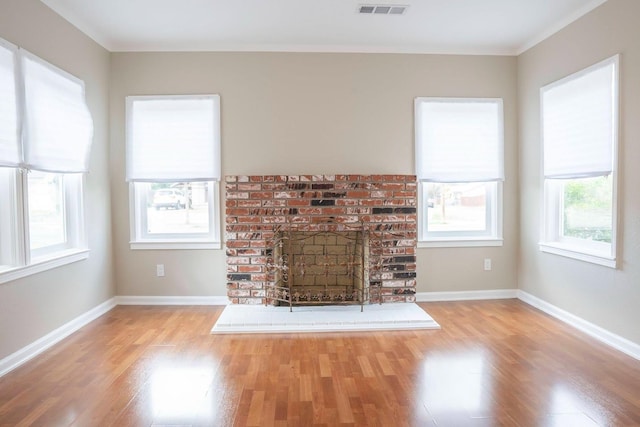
x: 381, y: 9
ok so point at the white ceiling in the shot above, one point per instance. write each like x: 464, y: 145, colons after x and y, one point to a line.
x: 501, y: 27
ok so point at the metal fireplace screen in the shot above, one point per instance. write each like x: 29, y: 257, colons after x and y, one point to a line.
x: 319, y: 268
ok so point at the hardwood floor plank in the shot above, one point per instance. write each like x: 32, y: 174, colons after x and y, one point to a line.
x: 492, y: 363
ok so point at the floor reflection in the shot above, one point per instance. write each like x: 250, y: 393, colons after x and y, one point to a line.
x: 178, y: 393
x: 456, y: 382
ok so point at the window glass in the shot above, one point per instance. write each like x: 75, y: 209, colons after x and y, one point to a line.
x: 181, y: 208
x: 586, y: 209
x: 8, y: 225
x: 46, y: 210
x: 457, y: 207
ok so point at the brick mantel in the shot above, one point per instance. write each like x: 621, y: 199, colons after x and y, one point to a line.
x: 256, y: 206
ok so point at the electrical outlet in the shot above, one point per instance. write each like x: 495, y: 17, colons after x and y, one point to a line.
x: 487, y: 264
x: 160, y: 270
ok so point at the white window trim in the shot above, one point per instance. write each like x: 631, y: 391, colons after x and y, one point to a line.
x: 141, y: 241
x: 569, y: 247
x: 580, y: 249
x: 27, y: 264
x: 461, y: 239
x: 75, y: 231
x: 44, y: 264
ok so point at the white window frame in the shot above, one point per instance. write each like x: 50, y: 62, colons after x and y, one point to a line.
x: 17, y: 258
x: 74, y: 235
x: 140, y: 239
x: 551, y: 237
x: 493, y: 234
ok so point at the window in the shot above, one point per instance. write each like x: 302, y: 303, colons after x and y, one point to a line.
x: 460, y: 169
x: 46, y: 132
x: 579, y: 137
x: 173, y: 166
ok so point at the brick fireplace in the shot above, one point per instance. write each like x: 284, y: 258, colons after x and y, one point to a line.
x: 258, y: 208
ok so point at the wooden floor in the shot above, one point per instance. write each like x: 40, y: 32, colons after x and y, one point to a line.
x: 494, y: 363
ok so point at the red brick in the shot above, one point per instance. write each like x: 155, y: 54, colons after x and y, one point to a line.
x: 309, y: 211
x: 391, y: 186
x: 285, y: 194
x: 274, y: 219
x: 248, y: 219
x: 236, y: 212
x: 298, y: 202
x: 382, y: 194
x: 274, y: 203
x: 249, y: 187
x: 278, y: 186
x: 333, y: 211
x: 406, y: 194
x: 250, y: 285
x: 358, y: 194
x: 249, y: 203
x: 238, y: 292
x: 346, y: 202
x: 371, y: 202
x: 261, y: 195
x: 297, y: 219
x: 237, y: 195
x: 249, y: 269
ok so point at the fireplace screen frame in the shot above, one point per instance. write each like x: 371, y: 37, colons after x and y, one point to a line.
x: 301, y: 275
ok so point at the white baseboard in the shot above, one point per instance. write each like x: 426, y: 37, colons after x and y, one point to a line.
x: 172, y: 300
x: 619, y: 343
x: 466, y: 295
x: 27, y: 353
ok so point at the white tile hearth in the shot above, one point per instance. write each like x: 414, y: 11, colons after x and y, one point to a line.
x: 239, y: 318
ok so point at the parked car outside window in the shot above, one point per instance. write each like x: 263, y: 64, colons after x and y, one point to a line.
x: 169, y: 198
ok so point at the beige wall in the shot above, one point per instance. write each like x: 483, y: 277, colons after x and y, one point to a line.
x: 294, y: 113
x: 607, y: 297
x: 32, y: 307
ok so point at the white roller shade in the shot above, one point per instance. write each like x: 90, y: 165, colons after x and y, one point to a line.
x: 173, y: 138
x: 58, y: 129
x: 10, y: 147
x: 459, y: 140
x: 579, y: 122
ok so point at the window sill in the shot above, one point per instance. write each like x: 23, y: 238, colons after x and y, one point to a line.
x: 43, y: 264
x: 576, y: 253
x: 459, y: 243
x: 172, y: 245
